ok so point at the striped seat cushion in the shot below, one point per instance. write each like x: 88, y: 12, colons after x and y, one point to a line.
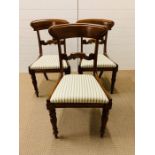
x: 76, y: 88
x: 48, y: 62
x: 102, y: 61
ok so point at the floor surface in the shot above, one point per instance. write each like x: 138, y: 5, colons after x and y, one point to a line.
x: 78, y: 128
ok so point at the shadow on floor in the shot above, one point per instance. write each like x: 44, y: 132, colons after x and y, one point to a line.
x: 45, y: 87
x: 95, y: 123
x: 80, y: 122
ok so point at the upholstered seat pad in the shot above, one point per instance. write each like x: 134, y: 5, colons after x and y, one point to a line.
x: 48, y: 62
x: 102, y: 61
x: 76, y: 88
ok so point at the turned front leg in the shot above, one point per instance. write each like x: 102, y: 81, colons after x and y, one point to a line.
x: 53, y: 120
x: 104, y: 119
x: 34, y: 82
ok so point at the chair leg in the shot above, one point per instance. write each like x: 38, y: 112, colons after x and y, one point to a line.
x: 113, y: 79
x: 34, y: 82
x: 45, y: 75
x: 100, y: 74
x: 104, y: 119
x: 53, y: 120
x: 68, y: 70
x: 80, y: 70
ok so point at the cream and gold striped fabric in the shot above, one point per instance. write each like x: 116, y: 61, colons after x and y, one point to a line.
x: 76, y: 88
x: 48, y: 62
x: 102, y: 61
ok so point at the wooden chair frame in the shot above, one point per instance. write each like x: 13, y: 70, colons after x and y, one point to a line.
x: 73, y: 31
x: 109, y: 24
x: 44, y: 24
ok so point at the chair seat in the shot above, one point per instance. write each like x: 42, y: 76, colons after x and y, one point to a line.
x: 76, y: 88
x: 48, y: 62
x: 102, y: 61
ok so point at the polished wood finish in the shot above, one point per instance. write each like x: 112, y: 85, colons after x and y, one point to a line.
x: 73, y: 31
x: 34, y: 82
x: 109, y: 24
x: 104, y: 119
x: 53, y: 119
x: 44, y: 24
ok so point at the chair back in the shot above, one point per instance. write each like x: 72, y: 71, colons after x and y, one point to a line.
x: 44, y: 24
x: 74, y: 31
x: 105, y: 22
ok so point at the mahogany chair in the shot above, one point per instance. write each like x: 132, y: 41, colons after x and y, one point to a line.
x: 78, y: 90
x: 104, y: 62
x: 46, y: 63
